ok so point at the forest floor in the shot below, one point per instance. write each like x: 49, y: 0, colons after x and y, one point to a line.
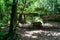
x: 40, y: 34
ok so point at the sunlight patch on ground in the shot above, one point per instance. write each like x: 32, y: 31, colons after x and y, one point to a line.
x: 3, y: 27
x: 36, y: 33
x: 52, y: 24
x: 34, y: 36
x: 48, y: 25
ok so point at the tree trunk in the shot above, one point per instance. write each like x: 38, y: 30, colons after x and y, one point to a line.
x: 20, y: 18
x: 13, y: 21
x: 23, y: 13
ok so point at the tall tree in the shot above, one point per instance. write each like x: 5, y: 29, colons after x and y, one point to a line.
x: 13, y: 21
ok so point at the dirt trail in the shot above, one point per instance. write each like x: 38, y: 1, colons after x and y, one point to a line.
x: 52, y: 24
x: 41, y: 34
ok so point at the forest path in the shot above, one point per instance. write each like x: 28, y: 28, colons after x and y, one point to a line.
x: 52, y: 24
x: 40, y: 34
x: 48, y: 34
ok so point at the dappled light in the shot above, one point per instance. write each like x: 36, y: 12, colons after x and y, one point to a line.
x: 36, y: 34
x: 29, y: 19
x: 48, y: 25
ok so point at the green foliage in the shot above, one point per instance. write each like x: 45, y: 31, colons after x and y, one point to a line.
x: 31, y: 6
x: 2, y: 6
x: 2, y: 34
